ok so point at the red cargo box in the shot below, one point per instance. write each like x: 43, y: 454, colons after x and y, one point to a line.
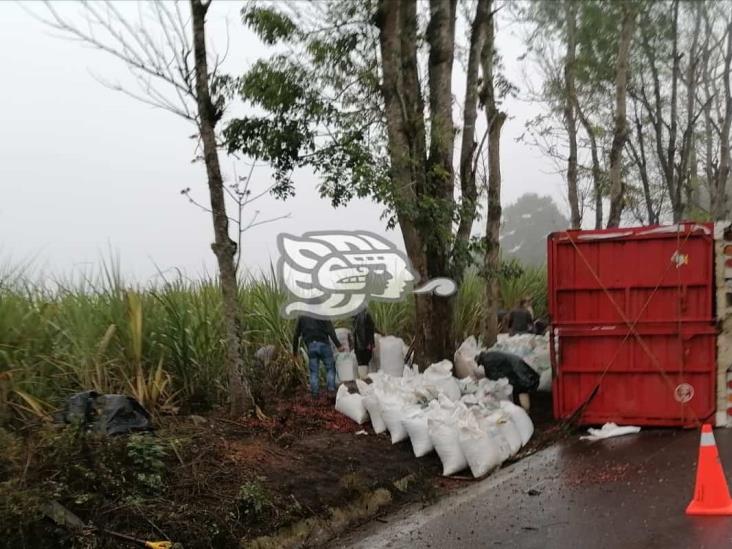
x: 633, y: 325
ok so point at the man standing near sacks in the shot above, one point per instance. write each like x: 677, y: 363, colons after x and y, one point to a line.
x: 521, y: 319
x: 316, y: 333
x: 363, y: 336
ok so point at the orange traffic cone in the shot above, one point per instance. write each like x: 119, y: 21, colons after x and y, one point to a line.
x: 711, y: 495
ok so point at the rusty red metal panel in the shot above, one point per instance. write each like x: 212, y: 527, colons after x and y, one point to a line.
x: 633, y: 324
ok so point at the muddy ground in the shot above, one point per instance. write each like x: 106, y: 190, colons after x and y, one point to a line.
x: 222, y: 483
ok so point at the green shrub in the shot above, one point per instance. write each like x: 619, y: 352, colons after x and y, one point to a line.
x: 146, y: 459
x: 254, y: 501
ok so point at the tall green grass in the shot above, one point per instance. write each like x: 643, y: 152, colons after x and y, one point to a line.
x: 519, y: 282
x: 165, y: 344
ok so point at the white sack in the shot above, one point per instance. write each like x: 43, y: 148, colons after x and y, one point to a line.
x: 391, y: 355
x: 468, y: 386
x: 416, y: 425
x: 465, y: 365
x: 346, y: 366
x: 497, y: 390
x: 504, y: 448
x: 532, y: 348
x: 521, y: 419
x: 507, y: 428
x: 351, y: 405
x: 372, y: 405
x: 440, y: 375
x: 444, y: 435
x: 481, y: 450
x: 393, y: 413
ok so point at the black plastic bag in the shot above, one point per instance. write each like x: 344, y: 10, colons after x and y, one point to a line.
x: 108, y: 414
x: 521, y: 376
x: 79, y: 408
x: 121, y: 414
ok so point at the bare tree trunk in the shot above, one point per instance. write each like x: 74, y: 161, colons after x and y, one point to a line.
x: 596, y: 170
x: 223, y: 247
x: 491, y: 262
x: 666, y: 155
x: 569, y: 118
x: 671, y: 149
x: 468, y: 148
x: 719, y: 205
x: 686, y: 176
x: 620, y: 132
x: 639, y: 157
x: 709, y: 168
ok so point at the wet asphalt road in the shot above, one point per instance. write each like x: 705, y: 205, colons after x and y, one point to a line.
x: 629, y: 492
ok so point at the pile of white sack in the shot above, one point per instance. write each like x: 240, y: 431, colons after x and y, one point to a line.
x: 470, y: 424
x: 388, y: 356
x: 534, y: 350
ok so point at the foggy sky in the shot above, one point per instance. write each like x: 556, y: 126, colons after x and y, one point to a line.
x: 85, y: 170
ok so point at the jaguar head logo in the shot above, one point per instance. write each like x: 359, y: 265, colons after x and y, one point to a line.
x: 335, y: 274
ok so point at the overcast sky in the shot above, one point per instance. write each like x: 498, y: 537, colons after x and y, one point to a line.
x: 85, y: 170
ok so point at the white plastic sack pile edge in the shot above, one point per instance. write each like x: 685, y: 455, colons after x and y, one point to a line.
x: 351, y: 405
x: 480, y: 446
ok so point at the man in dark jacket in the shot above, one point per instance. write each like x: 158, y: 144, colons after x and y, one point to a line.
x: 520, y: 319
x: 316, y: 333
x: 363, y: 337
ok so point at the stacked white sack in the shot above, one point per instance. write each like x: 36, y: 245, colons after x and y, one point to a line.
x: 346, y: 366
x: 534, y: 350
x: 372, y: 405
x: 391, y: 355
x: 465, y: 365
x: 482, y: 449
x: 440, y: 376
x: 351, y: 405
x: 417, y: 428
x: 480, y: 429
x: 443, y: 430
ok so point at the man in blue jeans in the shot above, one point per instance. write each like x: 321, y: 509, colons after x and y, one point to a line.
x: 316, y: 333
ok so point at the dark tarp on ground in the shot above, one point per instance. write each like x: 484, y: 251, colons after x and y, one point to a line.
x: 108, y: 414
x: 520, y: 375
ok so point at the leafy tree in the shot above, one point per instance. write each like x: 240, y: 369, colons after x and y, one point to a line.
x: 526, y: 224
x: 344, y: 96
x: 673, y: 133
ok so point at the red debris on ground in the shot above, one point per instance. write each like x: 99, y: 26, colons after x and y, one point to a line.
x: 303, y: 414
x: 596, y: 475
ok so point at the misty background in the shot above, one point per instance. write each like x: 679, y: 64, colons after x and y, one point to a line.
x: 88, y: 173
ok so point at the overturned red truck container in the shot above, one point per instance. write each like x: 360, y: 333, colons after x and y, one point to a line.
x: 638, y: 324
